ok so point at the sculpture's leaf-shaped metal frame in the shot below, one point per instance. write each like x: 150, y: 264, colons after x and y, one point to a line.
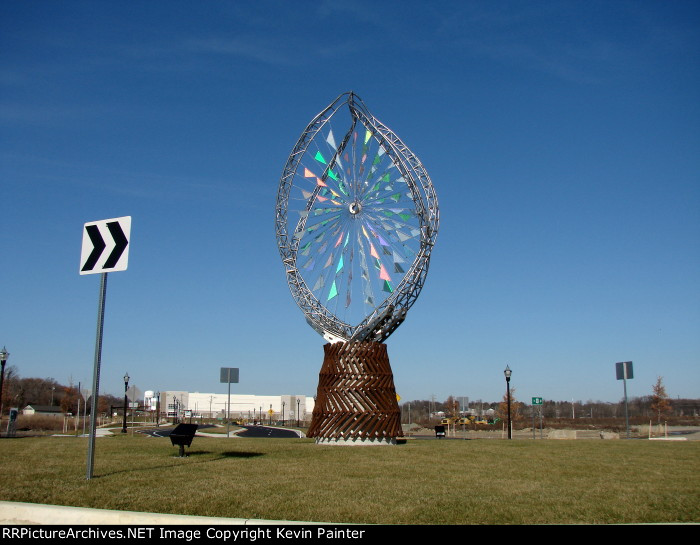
x: 380, y: 323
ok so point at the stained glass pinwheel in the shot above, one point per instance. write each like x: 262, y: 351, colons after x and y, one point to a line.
x: 356, y: 220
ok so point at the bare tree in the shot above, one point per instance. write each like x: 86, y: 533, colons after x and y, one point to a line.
x: 452, y: 407
x: 660, y: 403
x: 69, y: 401
x: 516, y: 408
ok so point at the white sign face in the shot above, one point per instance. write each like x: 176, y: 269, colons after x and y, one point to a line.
x: 105, y: 246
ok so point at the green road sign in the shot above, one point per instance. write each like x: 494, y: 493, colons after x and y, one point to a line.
x: 537, y: 401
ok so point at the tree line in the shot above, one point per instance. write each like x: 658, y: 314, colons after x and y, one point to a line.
x: 655, y: 406
x: 19, y: 392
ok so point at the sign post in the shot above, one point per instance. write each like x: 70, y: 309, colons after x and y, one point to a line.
x: 94, y: 260
x: 228, y: 375
x: 623, y: 370
x: 536, y: 401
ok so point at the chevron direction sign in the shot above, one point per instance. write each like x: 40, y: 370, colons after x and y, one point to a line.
x: 105, y: 246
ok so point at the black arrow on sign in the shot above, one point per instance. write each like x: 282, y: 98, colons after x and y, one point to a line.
x: 120, y: 244
x: 98, y: 247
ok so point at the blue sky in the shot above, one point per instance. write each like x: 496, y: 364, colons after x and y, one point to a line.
x: 562, y: 139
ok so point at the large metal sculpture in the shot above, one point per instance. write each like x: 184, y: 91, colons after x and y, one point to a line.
x: 356, y: 221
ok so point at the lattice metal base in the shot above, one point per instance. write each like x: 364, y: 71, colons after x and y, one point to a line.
x: 356, y: 398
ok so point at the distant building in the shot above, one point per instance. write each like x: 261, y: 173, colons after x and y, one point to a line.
x: 242, y: 406
x: 44, y: 410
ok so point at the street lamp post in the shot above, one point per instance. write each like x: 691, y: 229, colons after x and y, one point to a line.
x: 507, y: 372
x: 283, y: 403
x: 4, y: 355
x: 298, y: 403
x: 157, y: 409
x: 126, y: 386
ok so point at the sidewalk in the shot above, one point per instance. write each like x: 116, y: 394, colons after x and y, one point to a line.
x: 16, y: 513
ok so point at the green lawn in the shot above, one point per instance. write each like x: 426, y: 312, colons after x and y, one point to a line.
x: 420, y: 482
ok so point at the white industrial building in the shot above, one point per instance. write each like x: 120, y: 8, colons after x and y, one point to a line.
x: 239, y: 406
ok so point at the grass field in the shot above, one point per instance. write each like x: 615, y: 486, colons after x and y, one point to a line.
x: 420, y: 482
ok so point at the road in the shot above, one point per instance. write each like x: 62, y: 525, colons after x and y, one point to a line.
x: 264, y: 431
x: 248, y: 431
x: 165, y: 432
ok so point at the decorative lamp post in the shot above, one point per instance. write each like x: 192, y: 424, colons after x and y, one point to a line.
x: 283, y: 403
x: 4, y: 355
x: 298, y: 403
x: 126, y: 385
x: 507, y: 372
